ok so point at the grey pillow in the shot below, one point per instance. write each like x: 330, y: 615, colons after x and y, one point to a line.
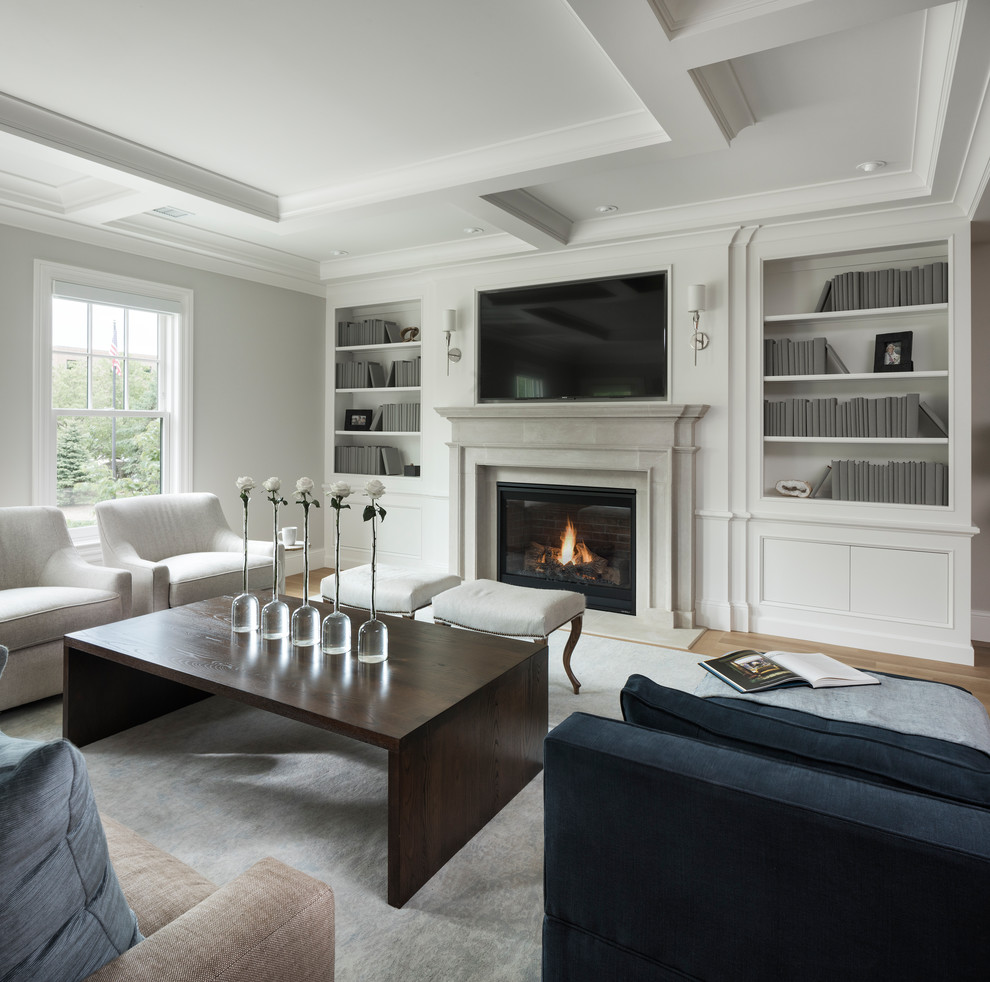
x: 3, y: 658
x: 64, y: 913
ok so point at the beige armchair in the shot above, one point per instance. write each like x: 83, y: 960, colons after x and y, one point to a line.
x: 271, y: 922
x: 180, y: 549
x: 47, y: 590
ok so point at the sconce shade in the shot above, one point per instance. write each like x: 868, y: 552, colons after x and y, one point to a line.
x: 450, y: 320
x: 696, y: 297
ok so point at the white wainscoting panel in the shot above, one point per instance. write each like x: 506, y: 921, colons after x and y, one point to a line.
x: 806, y: 574
x: 904, y: 584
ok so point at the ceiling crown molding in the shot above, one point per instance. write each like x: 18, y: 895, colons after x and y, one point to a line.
x: 51, y: 129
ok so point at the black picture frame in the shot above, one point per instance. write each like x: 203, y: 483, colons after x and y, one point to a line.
x: 357, y: 419
x: 892, y: 352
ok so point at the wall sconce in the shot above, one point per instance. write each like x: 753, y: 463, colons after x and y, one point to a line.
x: 449, y: 326
x: 696, y: 304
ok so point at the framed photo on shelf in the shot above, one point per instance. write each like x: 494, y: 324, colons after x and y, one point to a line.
x: 892, y: 352
x: 357, y: 419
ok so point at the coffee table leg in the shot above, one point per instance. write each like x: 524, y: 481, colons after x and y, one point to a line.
x: 101, y: 697
x: 452, y: 776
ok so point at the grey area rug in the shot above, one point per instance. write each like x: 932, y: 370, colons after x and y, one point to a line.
x: 222, y: 785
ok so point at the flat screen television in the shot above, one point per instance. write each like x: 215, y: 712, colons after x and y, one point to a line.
x: 597, y: 339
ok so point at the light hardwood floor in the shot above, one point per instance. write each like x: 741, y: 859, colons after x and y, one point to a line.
x: 975, y: 678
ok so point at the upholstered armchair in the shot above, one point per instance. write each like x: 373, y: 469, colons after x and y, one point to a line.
x: 47, y: 590
x: 180, y: 549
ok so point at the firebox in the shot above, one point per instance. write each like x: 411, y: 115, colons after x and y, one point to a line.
x: 556, y: 537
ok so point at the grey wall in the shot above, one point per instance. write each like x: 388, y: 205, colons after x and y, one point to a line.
x: 258, y: 374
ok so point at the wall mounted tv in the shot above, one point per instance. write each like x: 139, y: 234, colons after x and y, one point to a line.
x: 597, y: 339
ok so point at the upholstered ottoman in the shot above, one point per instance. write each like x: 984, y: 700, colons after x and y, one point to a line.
x: 513, y: 611
x: 397, y: 590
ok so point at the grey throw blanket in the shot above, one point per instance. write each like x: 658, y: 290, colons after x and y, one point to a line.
x: 905, y: 705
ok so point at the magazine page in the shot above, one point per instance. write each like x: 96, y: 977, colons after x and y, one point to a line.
x: 821, y: 670
x: 749, y: 671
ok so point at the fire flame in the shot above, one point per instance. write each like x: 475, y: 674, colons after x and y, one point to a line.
x: 572, y: 551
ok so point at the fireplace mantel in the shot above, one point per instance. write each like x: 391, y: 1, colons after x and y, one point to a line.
x: 649, y: 447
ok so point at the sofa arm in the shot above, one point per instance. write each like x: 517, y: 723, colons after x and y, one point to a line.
x: 666, y: 857
x: 271, y: 922
x: 67, y: 568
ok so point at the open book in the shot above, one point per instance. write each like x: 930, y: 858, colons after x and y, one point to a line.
x: 752, y: 671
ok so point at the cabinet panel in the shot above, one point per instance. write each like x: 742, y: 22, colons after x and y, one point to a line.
x: 808, y: 574
x: 911, y: 586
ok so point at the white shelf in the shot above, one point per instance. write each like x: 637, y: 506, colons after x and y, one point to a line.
x: 383, y: 388
x: 386, y: 346
x: 858, y: 377
x: 899, y: 440
x: 408, y: 443
x: 788, y: 284
x: 376, y: 433
x: 838, y: 316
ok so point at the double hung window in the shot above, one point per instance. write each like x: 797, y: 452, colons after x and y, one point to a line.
x: 113, y: 390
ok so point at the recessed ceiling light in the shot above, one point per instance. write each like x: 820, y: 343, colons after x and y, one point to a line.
x: 871, y: 165
x: 474, y: 230
x: 606, y: 209
x: 170, y: 212
x: 339, y: 252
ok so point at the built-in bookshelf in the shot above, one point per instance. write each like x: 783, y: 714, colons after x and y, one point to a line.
x: 377, y: 390
x: 855, y: 398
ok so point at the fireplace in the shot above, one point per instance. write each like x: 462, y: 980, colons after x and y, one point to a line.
x: 559, y: 537
x: 649, y: 447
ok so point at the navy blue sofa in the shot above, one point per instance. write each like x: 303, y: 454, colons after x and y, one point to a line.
x: 718, y: 840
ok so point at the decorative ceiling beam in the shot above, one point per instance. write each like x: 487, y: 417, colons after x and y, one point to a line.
x: 51, y: 129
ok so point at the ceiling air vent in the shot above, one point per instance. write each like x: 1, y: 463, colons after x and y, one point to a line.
x: 169, y: 212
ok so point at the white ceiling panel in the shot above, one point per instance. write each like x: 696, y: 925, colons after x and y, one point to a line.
x: 297, y: 130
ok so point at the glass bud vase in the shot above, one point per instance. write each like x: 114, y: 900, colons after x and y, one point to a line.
x: 305, y: 627
x: 336, y: 638
x: 372, y: 641
x: 245, y: 613
x: 275, y: 620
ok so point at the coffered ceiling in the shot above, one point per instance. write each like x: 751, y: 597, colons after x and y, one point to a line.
x: 310, y: 140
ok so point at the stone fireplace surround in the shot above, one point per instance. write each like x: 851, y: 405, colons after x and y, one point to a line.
x: 649, y: 447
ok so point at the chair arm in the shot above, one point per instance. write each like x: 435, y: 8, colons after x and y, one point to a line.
x: 149, y: 580
x: 271, y: 922
x: 67, y: 568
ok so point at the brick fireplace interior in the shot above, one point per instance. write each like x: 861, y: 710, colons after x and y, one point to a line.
x: 559, y: 537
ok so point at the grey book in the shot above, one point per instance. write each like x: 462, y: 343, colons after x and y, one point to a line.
x: 940, y: 423
x: 376, y: 374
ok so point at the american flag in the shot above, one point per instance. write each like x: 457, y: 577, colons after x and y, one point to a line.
x: 113, y: 351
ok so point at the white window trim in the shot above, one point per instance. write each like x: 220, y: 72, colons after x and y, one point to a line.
x: 178, y: 383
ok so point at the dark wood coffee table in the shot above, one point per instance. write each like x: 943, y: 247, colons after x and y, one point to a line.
x: 462, y: 715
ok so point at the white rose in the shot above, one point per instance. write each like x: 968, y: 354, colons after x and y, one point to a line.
x: 338, y: 489
x: 374, y: 489
x: 272, y: 484
x: 304, y: 484
x: 246, y: 484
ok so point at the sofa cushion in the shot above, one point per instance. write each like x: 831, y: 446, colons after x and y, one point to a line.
x: 39, y: 614
x: 873, y: 753
x: 64, y: 912
x: 202, y: 575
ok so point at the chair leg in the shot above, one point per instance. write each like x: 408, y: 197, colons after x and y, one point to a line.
x: 569, y: 647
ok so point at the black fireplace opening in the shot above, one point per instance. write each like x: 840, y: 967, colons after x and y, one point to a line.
x: 558, y: 537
